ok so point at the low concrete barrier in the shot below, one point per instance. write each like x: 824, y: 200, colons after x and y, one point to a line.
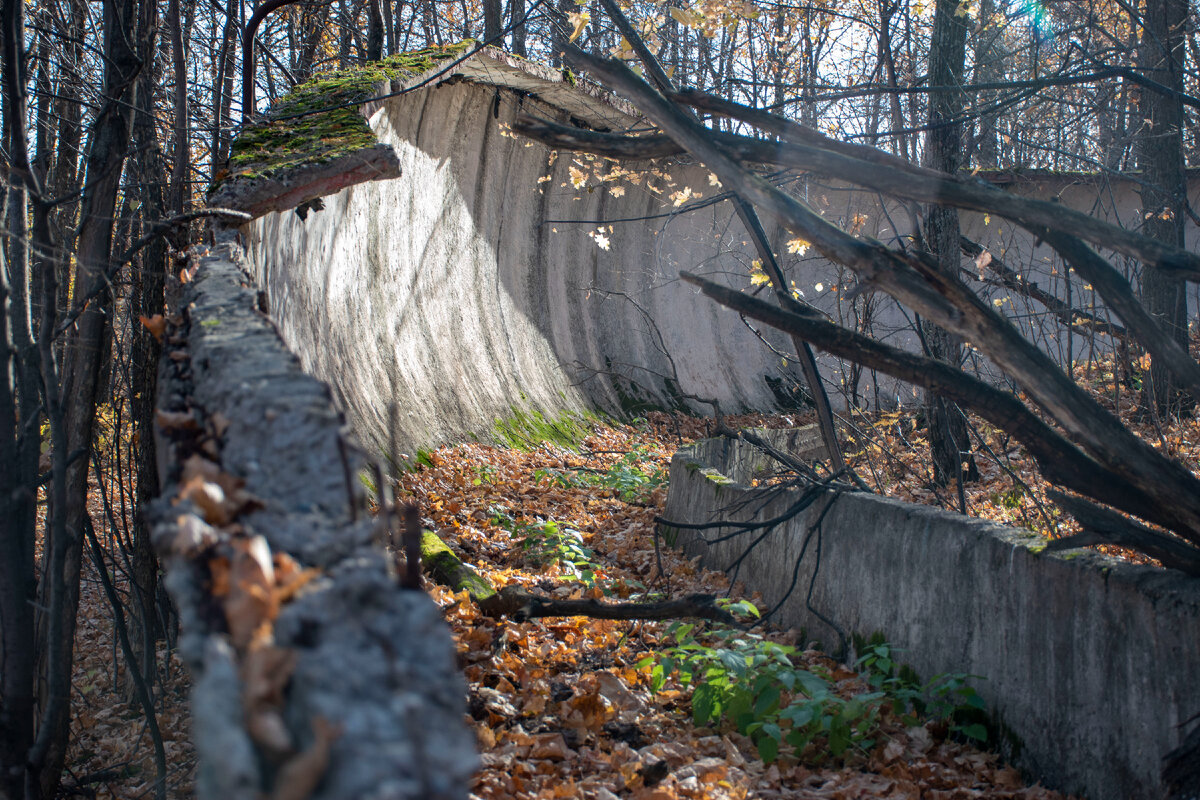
x: 1090, y: 664
x: 352, y: 686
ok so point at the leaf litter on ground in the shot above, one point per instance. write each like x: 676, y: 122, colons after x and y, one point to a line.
x: 564, y: 707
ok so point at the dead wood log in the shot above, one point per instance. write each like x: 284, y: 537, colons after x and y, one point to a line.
x: 515, y: 602
x: 443, y: 566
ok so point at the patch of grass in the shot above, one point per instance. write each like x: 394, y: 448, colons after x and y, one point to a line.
x: 324, y: 131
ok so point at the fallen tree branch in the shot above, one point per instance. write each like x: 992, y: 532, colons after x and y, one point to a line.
x: 520, y: 605
x: 446, y: 568
x: 1164, y: 486
x: 1013, y: 281
x: 810, y: 151
x: 912, y: 182
x: 1104, y: 526
x: 1058, y: 459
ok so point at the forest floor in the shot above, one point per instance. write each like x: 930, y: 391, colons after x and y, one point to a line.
x: 569, y: 707
x: 111, y: 753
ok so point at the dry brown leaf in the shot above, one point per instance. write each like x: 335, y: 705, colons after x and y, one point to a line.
x: 549, y: 745
x: 219, y: 422
x: 298, y: 778
x: 191, y: 535
x: 251, y: 604
x: 176, y: 420
x: 209, y: 498
x: 269, y: 732
x: 199, y: 466
x: 157, y: 325
x: 266, y: 670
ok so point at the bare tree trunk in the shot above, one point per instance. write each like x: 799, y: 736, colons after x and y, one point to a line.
x: 374, y: 31
x: 19, y: 433
x: 64, y: 178
x: 989, y: 67
x: 181, y: 166
x: 948, y: 438
x: 223, y: 90
x: 1160, y: 156
x: 59, y: 593
x: 492, y: 12
x: 146, y: 299
x: 517, y: 14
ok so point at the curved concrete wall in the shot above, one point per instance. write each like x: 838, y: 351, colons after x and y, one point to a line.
x: 444, y: 290
x: 469, y: 285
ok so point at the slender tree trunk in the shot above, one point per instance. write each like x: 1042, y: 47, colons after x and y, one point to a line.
x: 19, y: 431
x: 948, y: 440
x: 374, y: 31
x: 181, y: 166
x: 517, y: 13
x: 989, y: 67
x: 146, y: 299
x: 59, y: 592
x: 223, y: 90
x: 492, y: 12
x: 1160, y: 156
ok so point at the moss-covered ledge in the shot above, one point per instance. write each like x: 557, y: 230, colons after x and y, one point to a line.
x: 315, y: 140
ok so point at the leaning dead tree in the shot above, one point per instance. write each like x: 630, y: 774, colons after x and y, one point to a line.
x: 1077, y: 443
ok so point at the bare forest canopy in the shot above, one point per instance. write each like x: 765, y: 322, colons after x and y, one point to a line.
x: 119, y: 115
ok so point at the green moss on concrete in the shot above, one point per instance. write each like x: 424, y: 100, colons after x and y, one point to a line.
x: 524, y: 430
x: 320, y: 120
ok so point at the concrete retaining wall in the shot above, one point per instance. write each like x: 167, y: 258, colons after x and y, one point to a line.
x: 1091, y: 663
x: 375, y: 662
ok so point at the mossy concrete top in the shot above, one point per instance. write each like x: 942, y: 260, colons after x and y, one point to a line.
x: 317, y: 139
x: 322, y: 119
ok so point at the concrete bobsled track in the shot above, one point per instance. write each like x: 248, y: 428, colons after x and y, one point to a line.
x: 474, y: 283
x: 476, y: 274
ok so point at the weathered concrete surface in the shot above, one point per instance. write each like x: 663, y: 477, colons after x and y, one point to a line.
x: 473, y: 283
x: 453, y: 293
x: 375, y: 661
x: 1091, y: 663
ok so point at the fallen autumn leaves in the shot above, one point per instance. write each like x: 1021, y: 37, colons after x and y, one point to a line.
x: 558, y: 705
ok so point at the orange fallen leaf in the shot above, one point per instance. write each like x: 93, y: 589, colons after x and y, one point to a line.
x: 299, y: 777
x: 176, y: 420
x: 157, y: 325
x: 251, y: 604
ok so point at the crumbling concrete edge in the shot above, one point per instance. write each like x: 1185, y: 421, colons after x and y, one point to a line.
x: 1088, y: 663
x: 294, y: 187
x: 374, y: 661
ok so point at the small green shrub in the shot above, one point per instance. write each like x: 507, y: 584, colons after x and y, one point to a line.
x: 631, y: 477
x: 949, y: 696
x: 753, y: 685
x: 549, y: 542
